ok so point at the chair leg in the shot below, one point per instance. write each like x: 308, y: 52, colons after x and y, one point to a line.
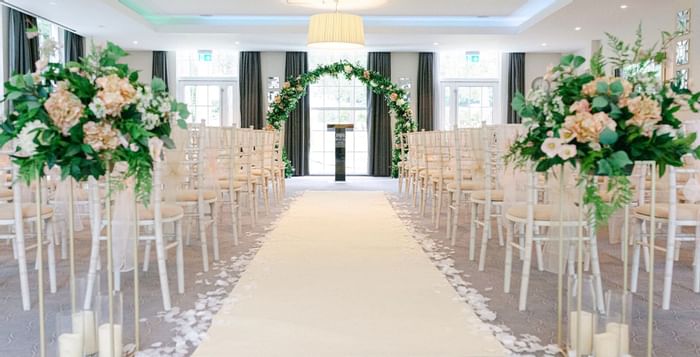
x: 525, y: 280
x: 52, y: 256
x: 180, y: 261
x: 472, y: 230
x: 668, y: 269
x: 266, y: 195
x: 239, y: 224
x: 455, y: 218
x: 203, y: 236
x: 234, y: 217
x: 499, y: 223
x: 485, y: 235
x: 450, y: 203
x: 509, y: 257
x: 539, y: 253
x: 439, y: 206
x: 163, y: 272
x: 214, y: 207
x: 147, y: 255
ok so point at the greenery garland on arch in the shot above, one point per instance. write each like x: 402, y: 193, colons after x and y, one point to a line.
x: 397, y: 99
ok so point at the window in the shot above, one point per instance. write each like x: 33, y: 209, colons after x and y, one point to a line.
x: 208, y: 84
x: 469, y: 87
x: 52, y: 31
x: 338, y: 101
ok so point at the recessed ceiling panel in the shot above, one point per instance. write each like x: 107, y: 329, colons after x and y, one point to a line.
x: 306, y: 7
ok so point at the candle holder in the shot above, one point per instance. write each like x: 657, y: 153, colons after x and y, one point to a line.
x: 85, y: 318
x: 69, y: 342
x: 612, y: 338
x: 582, y: 315
x: 110, y: 323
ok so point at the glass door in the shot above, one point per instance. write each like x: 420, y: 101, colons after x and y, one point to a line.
x: 213, y: 102
x: 469, y: 104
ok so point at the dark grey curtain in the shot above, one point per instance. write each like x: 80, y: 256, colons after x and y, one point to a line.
x: 22, y: 52
x: 73, y: 46
x: 250, y: 84
x: 160, y: 66
x: 297, y: 128
x: 516, y: 82
x: 379, y: 119
x: 426, y: 91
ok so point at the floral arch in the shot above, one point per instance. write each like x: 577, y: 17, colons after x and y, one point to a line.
x: 397, y: 100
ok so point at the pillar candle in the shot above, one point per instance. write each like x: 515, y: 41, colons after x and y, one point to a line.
x: 586, y: 331
x: 622, y: 336
x: 84, y: 323
x: 605, y: 344
x: 105, y: 345
x: 70, y: 345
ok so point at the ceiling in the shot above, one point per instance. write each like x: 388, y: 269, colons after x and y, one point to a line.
x: 397, y: 25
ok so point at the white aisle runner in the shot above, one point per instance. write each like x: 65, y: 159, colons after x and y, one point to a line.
x: 341, y: 276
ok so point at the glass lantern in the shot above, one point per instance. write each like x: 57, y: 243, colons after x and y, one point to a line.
x: 582, y: 321
x: 612, y: 338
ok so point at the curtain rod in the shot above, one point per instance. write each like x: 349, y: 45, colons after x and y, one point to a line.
x: 15, y: 7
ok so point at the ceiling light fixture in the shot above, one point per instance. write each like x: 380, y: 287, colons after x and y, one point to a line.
x: 237, y: 43
x: 135, y: 42
x: 336, y: 30
x: 544, y: 44
x: 436, y: 43
x: 577, y: 28
x: 623, y: 6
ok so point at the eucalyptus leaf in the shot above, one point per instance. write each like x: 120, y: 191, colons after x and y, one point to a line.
x: 616, y: 88
x: 600, y: 102
x: 157, y: 85
x: 608, y: 137
x: 601, y: 87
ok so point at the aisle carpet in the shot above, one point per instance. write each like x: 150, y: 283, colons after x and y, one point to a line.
x: 341, y: 276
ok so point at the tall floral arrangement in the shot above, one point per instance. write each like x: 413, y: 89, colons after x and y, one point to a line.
x: 397, y: 98
x: 602, y: 124
x: 83, y: 115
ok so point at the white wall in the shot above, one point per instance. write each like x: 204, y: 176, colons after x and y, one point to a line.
x: 271, y: 65
x: 141, y: 61
x: 536, y: 65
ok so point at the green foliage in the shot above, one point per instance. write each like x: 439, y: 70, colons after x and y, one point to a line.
x: 295, y: 88
x: 27, y: 94
x: 605, y: 148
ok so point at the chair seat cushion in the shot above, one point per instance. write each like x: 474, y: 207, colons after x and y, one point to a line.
x: 7, y: 211
x: 237, y: 184
x: 168, y: 211
x: 6, y: 194
x: 496, y: 195
x: 684, y: 211
x: 191, y: 195
x: 467, y: 185
x: 542, y: 212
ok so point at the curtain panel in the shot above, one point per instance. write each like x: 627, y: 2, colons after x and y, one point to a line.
x: 250, y: 89
x: 160, y: 66
x: 379, y: 119
x: 22, y: 52
x: 73, y: 46
x: 516, y: 83
x: 297, y: 127
x: 426, y: 91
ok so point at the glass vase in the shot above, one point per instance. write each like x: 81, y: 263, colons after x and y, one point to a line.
x: 613, y: 335
x: 582, y: 315
x: 109, y: 335
x: 68, y: 341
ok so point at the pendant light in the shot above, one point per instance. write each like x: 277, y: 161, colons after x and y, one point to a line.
x: 336, y: 30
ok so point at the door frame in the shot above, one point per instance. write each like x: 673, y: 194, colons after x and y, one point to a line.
x: 222, y: 83
x: 458, y: 83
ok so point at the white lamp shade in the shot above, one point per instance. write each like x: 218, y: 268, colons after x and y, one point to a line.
x: 336, y: 30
